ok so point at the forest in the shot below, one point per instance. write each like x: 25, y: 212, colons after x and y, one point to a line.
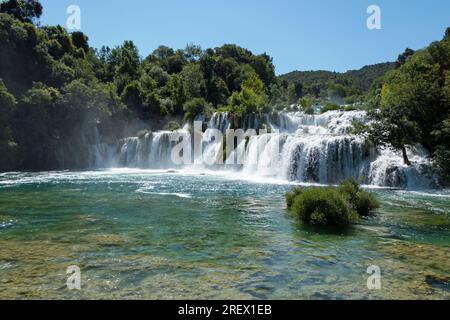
x: 54, y: 85
x: 349, y: 87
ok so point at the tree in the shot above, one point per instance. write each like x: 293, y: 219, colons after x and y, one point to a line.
x: 23, y: 10
x: 129, y: 61
x: 404, y: 57
x: 263, y: 66
x: 193, y: 81
x: 177, y: 93
x: 163, y: 53
x: 195, y: 107
x: 8, y: 147
x: 217, y: 91
x: 413, y: 102
x: 193, y: 52
x: 34, y: 112
x: 132, y: 95
x: 250, y: 99
x: 307, y: 105
x: 175, y: 63
x: 80, y: 40
x: 295, y: 91
x: 153, y: 105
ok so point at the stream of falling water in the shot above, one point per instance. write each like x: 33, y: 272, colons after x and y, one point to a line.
x: 297, y: 147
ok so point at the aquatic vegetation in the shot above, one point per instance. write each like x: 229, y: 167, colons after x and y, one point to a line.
x: 331, y: 206
x: 363, y: 202
x: 323, y: 206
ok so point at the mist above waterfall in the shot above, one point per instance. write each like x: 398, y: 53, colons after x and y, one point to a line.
x: 293, y: 146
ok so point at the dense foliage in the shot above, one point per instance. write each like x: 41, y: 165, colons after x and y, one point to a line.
x: 56, y: 91
x: 411, y: 105
x: 349, y: 87
x: 339, y: 206
x: 49, y: 91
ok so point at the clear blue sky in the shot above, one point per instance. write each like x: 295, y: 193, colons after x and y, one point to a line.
x: 298, y: 34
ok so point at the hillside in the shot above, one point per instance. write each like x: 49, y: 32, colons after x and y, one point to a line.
x: 334, y: 84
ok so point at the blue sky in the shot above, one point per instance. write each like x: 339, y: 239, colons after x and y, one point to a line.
x: 298, y: 34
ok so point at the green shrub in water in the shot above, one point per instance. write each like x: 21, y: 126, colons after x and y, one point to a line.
x: 362, y: 201
x: 365, y: 203
x: 339, y: 206
x: 322, y: 206
x: 291, y: 195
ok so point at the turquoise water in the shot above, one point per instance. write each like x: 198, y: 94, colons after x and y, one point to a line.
x: 173, y: 235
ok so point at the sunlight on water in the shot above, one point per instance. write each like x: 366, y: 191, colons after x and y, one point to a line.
x: 204, y: 234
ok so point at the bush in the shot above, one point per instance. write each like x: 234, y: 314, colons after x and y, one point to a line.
x: 323, y: 206
x: 307, y: 105
x: 290, y: 196
x: 329, y: 106
x: 173, y: 126
x: 362, y: 201
x: 365, y: 203
x: 339, y: 206
x: 349, y: 188
x: 194, y: 107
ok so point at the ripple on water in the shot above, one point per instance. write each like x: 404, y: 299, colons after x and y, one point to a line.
x: 234, y: 239
x: 4, y: 224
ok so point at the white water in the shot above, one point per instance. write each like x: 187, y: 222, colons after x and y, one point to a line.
x: 305, y: 148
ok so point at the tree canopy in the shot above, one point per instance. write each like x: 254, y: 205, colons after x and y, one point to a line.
x: 24, y: 10
x: 412, y: 104
x: 55, y: 88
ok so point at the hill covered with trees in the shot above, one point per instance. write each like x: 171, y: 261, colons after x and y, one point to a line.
x: 348, y: 87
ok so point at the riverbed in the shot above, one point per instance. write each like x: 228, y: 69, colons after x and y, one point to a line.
x: 156, y: 234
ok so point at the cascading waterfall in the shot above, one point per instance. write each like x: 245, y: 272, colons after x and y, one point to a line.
x: 152, y: 150
x: 297, y: 147
x: 101, y: 154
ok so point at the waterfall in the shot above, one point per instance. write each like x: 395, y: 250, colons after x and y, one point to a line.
x: 153, y: 150
x: 298, y: 147
x: 101, y: 154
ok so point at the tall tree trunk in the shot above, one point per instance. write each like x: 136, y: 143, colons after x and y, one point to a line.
x: 405, y: 156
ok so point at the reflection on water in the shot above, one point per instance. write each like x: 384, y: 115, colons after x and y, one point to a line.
x: 158, y: 235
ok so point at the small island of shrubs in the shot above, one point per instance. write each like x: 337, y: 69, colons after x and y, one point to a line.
x: 338, y: 206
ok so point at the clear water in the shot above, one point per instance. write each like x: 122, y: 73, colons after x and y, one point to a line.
x: 140, y: 234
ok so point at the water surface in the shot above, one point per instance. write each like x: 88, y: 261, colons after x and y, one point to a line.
x: 140, y: 234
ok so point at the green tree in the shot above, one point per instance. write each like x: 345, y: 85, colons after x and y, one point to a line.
x: 133, y: 96
x: 193, y: 52
x: 177, y: 93
x: 80, y: 40
x: 307, y: 105
x: 401, y: 60
x: 8, y: 146
x: 195, y: 107
x: 23, y: 10
x: 251, y: 98
x: 412, y: 102
x: 193, y: 81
